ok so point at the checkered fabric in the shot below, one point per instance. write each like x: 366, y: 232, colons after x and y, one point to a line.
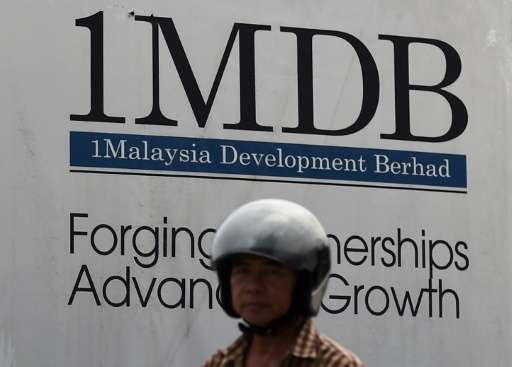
x: 310, y: 350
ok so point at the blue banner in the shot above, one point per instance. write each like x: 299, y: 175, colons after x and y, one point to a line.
x: 264, y: 159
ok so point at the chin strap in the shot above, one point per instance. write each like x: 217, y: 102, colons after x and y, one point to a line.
x: 271, y: 328
x: 253, y: 329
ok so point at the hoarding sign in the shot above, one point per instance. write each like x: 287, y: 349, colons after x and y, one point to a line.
x: 133, y: 129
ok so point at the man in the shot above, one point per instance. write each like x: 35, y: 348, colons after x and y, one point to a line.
x: 272, y: 261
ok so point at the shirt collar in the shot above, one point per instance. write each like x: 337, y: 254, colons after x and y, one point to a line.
x: 306, y: 344
x: 235, y: 352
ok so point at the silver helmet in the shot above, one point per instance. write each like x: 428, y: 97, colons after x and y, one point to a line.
x: 282, y: 231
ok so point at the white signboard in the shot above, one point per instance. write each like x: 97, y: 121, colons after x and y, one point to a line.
x: 131, y: 129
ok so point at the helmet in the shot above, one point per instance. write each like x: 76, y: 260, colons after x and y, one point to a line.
x: 282, y: 231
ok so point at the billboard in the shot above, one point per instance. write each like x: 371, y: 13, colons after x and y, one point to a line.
x: 131, y: 129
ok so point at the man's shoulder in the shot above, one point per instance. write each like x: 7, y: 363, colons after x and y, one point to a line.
x: 310, y: 344
x: 232, y: 352
x: 216, y: 360
x: 336, y: 355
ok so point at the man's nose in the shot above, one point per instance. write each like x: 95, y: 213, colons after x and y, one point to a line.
x: 255, y: 283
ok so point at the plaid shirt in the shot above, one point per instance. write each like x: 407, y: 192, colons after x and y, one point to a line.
x: 310, y: 350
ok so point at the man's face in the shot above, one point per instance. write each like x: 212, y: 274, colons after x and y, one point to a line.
x: 261, y: 289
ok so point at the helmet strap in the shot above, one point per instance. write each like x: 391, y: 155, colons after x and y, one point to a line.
x: 273, y: 327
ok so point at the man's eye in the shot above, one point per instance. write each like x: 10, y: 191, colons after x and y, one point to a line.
x: 275, y: 271
x: 239, y: 270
